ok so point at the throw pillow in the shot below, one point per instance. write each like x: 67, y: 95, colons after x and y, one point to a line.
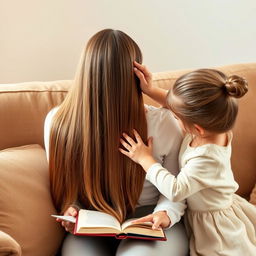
x: 8, y: 246
x: 26, y: 203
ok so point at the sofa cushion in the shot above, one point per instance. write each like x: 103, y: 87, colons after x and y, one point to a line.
x: 8, y: 246
x: 26, y: 203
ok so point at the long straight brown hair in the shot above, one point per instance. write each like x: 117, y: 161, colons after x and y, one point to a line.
x: 105, y: 100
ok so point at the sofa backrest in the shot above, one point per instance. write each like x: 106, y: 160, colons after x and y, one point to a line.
x: 23, y: 108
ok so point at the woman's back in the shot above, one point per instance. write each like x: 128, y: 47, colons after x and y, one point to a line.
x: 160, y: 123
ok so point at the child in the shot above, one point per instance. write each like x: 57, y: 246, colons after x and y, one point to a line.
x: 218, y: 221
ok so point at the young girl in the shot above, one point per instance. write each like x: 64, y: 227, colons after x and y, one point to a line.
x: 218, y: 221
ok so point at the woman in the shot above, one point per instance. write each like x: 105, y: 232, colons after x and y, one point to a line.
x: 82, y: 137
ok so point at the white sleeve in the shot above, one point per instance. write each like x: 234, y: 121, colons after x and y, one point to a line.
x: 197, y: 174
x: 173, y: 137
x: 175, y: 210
x: 47, y: 129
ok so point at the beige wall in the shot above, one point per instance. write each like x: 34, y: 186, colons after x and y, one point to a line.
x: 42, y: 40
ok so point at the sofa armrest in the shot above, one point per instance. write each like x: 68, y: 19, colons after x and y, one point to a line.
x: 8, y: 246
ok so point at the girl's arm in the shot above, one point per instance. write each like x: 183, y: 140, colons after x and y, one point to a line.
x: 188, y: 182
x: 175, y: 210
x: 197, y: 174
x: 156, y: 93
x: 170, y: 131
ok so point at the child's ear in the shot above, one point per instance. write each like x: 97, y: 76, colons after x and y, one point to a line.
x: 199, y: 129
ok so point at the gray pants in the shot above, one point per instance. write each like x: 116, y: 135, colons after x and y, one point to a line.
x: 176, y: 244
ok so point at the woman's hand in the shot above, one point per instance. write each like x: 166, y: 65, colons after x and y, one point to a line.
x: 71, y: 211
x: 138, y: 151
x: 159, y: 219
x: 145, y: 77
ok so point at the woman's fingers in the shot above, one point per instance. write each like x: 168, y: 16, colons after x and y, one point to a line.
x: 71, y: 211
x: 74, y: 212
x: 69, y: 227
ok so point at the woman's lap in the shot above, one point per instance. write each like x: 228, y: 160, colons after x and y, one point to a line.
x: 89, y: 246
x: 176, y: 245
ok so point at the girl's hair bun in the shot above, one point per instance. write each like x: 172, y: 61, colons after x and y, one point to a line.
x: 236, y: 86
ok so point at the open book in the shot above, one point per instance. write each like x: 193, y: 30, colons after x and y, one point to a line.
x: 94, y: 223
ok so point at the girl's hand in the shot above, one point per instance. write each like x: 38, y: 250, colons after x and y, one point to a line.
x: 71, y: 211
x: 157, y: 94
x: 138, y: 151
x: 159, y: 219
x: 145, y: 77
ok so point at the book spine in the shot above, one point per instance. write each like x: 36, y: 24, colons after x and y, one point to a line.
x: 121, y: 236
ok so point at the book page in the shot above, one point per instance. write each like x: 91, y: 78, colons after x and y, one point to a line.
x: 95, y: 219
x: 141, y: 228
x: 65, y: 218
x: 128, y: 223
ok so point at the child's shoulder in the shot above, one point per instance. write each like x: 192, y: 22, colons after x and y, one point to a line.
x: 212, y: 152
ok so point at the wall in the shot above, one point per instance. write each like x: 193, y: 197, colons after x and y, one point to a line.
x: 42, y: 40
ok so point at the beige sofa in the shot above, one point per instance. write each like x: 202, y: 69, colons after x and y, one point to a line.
x: 25, y: 201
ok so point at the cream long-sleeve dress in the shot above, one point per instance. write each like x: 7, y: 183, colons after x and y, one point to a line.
x: 218, y: 221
